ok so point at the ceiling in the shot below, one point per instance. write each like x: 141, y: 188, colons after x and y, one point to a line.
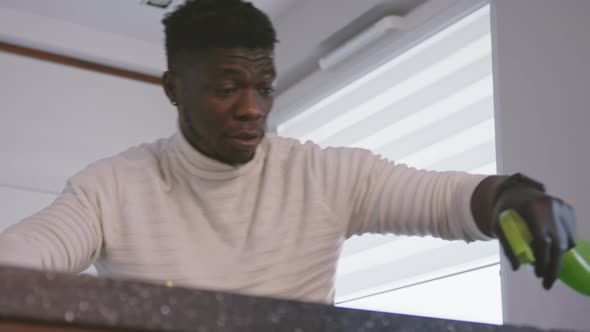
x: 129, y: 18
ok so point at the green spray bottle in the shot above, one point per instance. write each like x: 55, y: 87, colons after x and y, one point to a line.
x: 575, y: 266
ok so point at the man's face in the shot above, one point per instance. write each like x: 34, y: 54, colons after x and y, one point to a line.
x: 224, y: 97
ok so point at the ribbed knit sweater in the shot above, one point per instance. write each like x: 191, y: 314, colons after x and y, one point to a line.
x: 272, y: 227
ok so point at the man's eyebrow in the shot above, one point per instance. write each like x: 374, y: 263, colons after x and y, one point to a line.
x: 228, y: 71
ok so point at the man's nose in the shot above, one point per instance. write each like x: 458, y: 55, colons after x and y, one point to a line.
x: 251, y: 107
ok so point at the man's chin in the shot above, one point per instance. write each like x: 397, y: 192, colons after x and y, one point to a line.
x: 238, y: 158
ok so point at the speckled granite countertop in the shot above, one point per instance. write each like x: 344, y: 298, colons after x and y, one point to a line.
x: 96, y: 302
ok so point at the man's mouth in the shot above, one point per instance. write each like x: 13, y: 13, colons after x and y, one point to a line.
x: 246, y: 140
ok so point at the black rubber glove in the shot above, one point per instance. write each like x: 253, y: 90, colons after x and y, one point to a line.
x: 550, y: 220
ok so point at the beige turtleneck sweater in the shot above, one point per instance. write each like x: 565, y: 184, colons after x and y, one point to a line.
x: 272, y: 227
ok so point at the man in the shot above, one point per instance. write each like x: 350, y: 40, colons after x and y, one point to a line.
x: 220, y: 206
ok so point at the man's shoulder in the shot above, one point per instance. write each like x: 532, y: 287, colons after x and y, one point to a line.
x: 139, y: 158
x: 282, y: 143
x: 142, y: 154
x: 295, y: 148
x: 285, y: 147
x: 309, y: 154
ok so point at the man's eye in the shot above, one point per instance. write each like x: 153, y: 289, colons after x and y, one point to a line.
x: 267, y: 91
x: 226, y: 90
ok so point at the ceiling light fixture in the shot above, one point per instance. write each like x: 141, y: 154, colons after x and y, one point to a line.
x: 158, y: 3
x: 362, y: 40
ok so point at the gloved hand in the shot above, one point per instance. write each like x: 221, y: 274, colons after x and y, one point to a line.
x: 550, y: 220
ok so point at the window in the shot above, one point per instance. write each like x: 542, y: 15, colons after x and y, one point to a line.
x: 430, y: 107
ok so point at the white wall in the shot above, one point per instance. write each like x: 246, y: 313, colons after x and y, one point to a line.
x: 55, y: 119
x: 542, y: 89
x: 16, y: 204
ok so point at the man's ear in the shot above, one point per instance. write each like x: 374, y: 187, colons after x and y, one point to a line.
x: 170, y: 85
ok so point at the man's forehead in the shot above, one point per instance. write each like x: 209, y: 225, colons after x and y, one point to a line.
x: 230, y: 55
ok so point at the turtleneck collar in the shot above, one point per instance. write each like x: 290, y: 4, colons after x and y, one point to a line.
x: 200, y: 165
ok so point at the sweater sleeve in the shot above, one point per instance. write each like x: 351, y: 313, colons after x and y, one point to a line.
x: 66, y: 236
x: 374, y: 195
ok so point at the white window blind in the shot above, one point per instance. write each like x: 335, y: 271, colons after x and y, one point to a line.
x: 432, y: 108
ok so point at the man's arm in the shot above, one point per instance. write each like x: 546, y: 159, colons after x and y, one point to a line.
x: 373, y: 195
x: 482, y: 203
x: 65, y: 237
x: 382, y: 197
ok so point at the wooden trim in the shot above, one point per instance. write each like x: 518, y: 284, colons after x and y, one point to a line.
x: 78, y: 63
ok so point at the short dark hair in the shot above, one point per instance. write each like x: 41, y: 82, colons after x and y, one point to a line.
x: 202, y: 24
